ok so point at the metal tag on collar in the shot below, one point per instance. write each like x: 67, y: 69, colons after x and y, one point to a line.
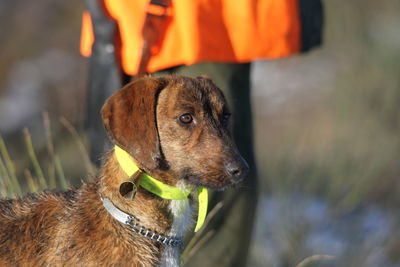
x: 128, y: 188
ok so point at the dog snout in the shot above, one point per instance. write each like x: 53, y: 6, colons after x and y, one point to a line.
x: 237, y: 168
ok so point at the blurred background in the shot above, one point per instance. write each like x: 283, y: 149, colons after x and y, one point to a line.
x: 327, y: 127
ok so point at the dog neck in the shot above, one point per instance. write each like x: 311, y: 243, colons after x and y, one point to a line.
x: 176, y: 214
x: 170, y: 217
x: 162, y: 190
x: 152, y: 211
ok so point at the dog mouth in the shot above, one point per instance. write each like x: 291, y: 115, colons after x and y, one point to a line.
x: 213, y: 182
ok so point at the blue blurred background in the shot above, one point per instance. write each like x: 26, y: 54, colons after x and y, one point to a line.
x: 327, y: 127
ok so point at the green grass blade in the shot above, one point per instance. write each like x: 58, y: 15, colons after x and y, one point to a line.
x: 32, y: 184
x: 60, y: 173
x: 35, y: 162
x: 10, y: 169
x: 51, y: 174
x: 86, y: 159
x: 5, y: 179
x: 51, y: 169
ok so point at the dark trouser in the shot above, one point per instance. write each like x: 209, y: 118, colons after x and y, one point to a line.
x: 233, y: 225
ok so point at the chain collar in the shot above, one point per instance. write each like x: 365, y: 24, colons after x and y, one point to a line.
x: 134, y: 224
x: 172, y: 241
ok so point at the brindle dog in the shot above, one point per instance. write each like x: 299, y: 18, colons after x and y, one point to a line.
x: 176, y: 128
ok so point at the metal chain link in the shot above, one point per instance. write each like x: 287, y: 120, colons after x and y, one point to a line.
x: 133, y: 222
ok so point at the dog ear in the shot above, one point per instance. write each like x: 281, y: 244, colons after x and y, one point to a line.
x: 129, y: 117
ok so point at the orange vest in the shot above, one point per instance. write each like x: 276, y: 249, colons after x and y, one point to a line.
x: 205, y: 30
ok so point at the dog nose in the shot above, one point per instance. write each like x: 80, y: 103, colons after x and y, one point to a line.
x: 237, y: 168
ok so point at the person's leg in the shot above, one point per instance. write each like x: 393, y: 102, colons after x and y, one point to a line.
x: 104, y: 80
x: 234, y: 223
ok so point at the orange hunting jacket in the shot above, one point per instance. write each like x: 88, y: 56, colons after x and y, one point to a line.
x: 205, y: 30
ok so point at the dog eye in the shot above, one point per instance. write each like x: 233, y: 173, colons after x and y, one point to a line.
x: 225, y: 119
x: 186, y: 118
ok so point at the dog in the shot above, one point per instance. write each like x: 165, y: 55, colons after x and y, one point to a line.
x: 173, y: 129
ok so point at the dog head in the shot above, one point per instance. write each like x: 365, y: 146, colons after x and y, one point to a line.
x: 179, y: 125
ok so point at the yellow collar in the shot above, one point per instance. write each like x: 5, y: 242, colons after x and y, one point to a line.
x: 160, y: 189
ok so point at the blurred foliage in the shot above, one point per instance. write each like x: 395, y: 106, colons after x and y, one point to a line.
x: 332, y: 137
x: 41, y: 174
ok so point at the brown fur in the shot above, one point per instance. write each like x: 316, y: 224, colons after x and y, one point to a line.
x: 73, y: 229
